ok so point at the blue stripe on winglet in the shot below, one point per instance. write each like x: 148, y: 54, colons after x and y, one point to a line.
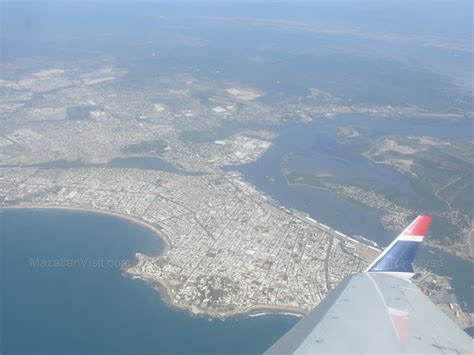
x: 399, y: 258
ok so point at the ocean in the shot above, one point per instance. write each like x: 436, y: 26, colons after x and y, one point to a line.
x: 63, y: 292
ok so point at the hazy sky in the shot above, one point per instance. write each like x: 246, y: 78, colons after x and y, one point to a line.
x: 245, y: 1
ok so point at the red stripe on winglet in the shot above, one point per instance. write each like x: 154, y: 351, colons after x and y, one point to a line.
x: 420, y: 227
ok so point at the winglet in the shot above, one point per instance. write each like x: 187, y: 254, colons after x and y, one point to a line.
x: 399, y: 255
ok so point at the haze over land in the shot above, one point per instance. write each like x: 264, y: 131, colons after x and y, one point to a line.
x: 155, y: 111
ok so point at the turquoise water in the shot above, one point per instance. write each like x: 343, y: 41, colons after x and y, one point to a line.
x: 63, y: 293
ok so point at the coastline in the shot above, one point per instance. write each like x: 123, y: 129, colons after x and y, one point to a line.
x: 160, y: 285
x: 447, y: 249
x: 165, y: 291
x: 429, y: 242
x: 163, y: 238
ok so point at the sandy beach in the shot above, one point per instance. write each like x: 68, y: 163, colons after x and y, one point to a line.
x: 164, y: 239
x: 161, y: 286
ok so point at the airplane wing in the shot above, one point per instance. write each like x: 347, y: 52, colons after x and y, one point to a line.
x: 379, y: 311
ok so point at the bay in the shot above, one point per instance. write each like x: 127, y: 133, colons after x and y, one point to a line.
x: 318, y: 150
x: 63, y: 292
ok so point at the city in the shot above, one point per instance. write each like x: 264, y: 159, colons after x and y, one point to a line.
x: 74, y: 141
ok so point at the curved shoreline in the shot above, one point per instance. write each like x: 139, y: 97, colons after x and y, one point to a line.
x: 163, y: 238
x: 433, y: 244
x: 165, y: 291
x: 160, y: 285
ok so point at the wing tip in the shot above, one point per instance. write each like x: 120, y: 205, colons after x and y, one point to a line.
x: 399, y: 256
x: 419, y: 227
